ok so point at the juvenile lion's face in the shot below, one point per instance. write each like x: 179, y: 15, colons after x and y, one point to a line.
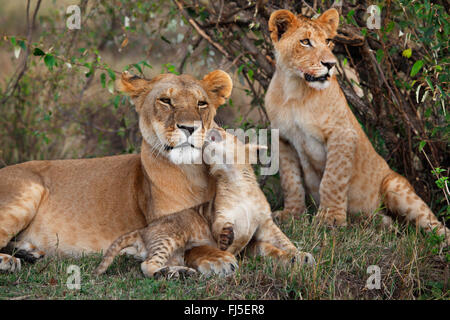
x: 303, y: 46
x: 176, y: 111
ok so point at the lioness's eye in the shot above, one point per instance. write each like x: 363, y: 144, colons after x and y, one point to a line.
x: 165, y: 101
x: 202, y: 104
x: 305, y: 42
x: 329, y: 42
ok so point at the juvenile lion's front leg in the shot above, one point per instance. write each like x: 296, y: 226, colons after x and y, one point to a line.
x: 335, y: 181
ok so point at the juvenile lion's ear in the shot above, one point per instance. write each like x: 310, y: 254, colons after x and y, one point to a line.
x: 281, y: 21
x: 218, y: 84
x: 132, y: 85
x: 330, y: 20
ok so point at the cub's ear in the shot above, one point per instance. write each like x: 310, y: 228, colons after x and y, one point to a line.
x: 218, y: 85
x: 281, y: 21
x: 330, y: 20
x: 132, y: 85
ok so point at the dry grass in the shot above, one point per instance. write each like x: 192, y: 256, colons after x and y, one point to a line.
x: 408, y: 271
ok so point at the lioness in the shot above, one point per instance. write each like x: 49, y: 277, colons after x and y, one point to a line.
x: 80, y: 206
x: 325, y: 147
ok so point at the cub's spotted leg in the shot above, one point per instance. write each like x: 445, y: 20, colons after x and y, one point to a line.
x: 335, y: 181
x: 290, y: 176
x: 270, y: 241
x: 209, y: 260
x: 160, y: 252
x: 401, y: 199
x: 21, y: 193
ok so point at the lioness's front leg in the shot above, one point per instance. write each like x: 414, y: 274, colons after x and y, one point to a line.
x: 335, y: 181
x: 270, y: 241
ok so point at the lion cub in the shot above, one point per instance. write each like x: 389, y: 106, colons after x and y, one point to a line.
x: 242, y: 215
x: 163, y: 242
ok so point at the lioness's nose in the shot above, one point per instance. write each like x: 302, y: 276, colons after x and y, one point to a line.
x: 329, y: 65
x: 188, y: 130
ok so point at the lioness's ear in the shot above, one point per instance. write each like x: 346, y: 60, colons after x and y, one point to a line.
x: 218, y: 84
x: 281, y: 21
x: 330, y: 20
x: 132, y: 85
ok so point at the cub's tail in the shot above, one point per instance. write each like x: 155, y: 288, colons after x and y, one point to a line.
x: 124, y: 241
x: 400, y: 198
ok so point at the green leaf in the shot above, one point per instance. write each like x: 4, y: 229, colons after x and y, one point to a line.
x: 103, y: 80
x: 38, y: 52
x: 407, y: 53
x: 421, y: 145
x: 49, y: 61
x: 380, y: 55
x: 416, y: 67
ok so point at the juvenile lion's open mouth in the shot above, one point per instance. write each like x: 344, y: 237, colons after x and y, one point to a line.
x: 311, y: 78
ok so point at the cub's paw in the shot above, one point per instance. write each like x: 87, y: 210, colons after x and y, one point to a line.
x: 174, y: 272
x: 9, y: 263
x: 226, y: 237
x: 332, y: 217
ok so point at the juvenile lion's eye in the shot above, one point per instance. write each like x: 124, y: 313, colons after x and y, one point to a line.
x: 166, y: 101
x: 329, y: 42
x: 202, y: 104
x: 306, y: 42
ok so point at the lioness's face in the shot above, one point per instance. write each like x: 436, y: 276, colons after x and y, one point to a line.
x: 175, y: 111
x: 303, y: 46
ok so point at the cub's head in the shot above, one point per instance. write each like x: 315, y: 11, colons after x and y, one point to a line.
x: 303, y: 46
x: 175, y: 111
x: 224, y: 152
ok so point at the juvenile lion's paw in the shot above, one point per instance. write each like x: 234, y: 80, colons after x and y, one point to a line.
x: 9, y: 263
x: 176, y: 272
x: 226, y: 237
x: 332, y: 217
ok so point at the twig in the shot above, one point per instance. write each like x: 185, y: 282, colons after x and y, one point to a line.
x: 21, y: 70
x: 200, y: 31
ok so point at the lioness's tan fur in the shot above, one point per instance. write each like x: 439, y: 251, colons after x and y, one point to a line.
x: 81, y: 206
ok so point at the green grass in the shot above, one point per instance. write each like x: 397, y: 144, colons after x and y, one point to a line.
x: 410, y: 269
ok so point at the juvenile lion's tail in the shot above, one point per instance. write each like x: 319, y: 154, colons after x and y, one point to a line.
x: 123, y: 241
x: 400, y: 198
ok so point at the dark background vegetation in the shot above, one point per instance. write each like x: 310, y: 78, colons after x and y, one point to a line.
x: 57, y: 97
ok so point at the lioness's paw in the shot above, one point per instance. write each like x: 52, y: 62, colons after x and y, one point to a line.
x: 174, y: 272
x: 9, y: 263
x: 222, y: 263
x: 226, y: 237
x: 332, y: 217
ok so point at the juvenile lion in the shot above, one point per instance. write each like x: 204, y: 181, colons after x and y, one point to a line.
x: 240, y: 213
x: 324, y: 146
